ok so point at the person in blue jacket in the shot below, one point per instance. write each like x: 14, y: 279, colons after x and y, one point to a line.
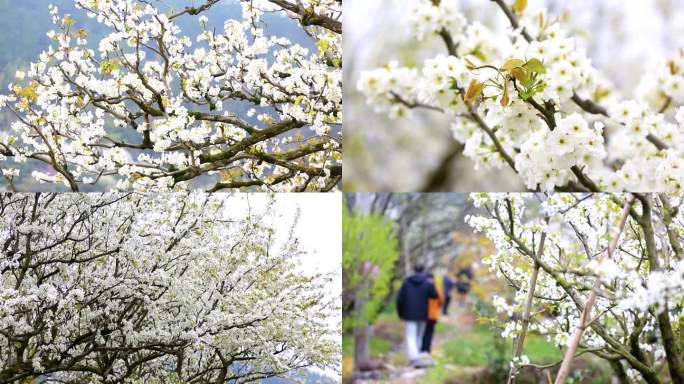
x: 412, y: 308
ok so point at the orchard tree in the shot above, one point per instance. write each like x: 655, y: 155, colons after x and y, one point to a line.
x: 531, y: 101
x: 595, y: 273
x: 155, y: 289
x: 370, y: 251
x: 158, y: 110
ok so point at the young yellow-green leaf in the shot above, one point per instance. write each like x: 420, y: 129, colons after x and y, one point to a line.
x: 323, y: 45
x: 298, y: 100
x: 519, y: 6
x: 520, y: 75
x: 601, y: 93
x: 68, y: 21
x: 107, y: 67
x: 477, y: 52
x: 504, y: 96
x: 512, y: 63
x: 534, y: 65
x: 28, y: 93
x: 474, y: 91
x: 469, y: 64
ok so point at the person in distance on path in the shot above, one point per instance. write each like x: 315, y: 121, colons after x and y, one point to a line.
x: 412, y: 308
x: 434, y: 308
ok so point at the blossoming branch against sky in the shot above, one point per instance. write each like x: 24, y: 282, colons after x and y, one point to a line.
x: 169, y: 287
x: 535, y: 95
x: 318, y: 228
x: 157, y: 96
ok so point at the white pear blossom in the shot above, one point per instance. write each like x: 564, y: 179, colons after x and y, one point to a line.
x: 640, y: 285
x: 149, y: 88
x: 511, y: 96
x: 168, y: 288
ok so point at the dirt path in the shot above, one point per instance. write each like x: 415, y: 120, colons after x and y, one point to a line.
x: 461, y: 320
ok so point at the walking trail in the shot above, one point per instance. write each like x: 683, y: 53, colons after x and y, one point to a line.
x: 460, y: 321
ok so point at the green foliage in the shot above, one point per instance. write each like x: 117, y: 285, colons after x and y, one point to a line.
x: 527, y: 75
x: 369, y: 251
x: 497, y: 360
x: 323, y: 45
x: 107, y: 67
x: 376, y: 346
x: 476, y: 348
x: 29, y: 92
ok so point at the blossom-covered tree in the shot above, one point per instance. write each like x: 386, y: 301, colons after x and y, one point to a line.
x: 596, y: 273
x: 531, y: 101
x: 157, y: 109
x: 155, y: 289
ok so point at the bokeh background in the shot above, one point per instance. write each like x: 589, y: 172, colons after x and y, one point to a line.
x: 624, y: 38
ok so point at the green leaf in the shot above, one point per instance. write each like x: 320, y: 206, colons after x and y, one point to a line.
x: 534, y: 65
x: 28, y: 93
x: 298, y: 100
x: 107, y: 67
x: 323, y: 45
x: 477, y: 52
x: 469, y: 64
x: 82, y: 33
x: 512, y: 63
x: 68, y: 21
x: 522, y: 76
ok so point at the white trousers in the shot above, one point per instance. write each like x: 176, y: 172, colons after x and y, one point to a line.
x: 414, y: 338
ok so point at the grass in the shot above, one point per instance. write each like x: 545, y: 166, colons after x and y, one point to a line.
x: 475, y: 347
x: 377, y: 346
x: 472, y: 348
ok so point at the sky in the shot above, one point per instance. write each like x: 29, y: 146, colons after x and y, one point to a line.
x: 319, y: 228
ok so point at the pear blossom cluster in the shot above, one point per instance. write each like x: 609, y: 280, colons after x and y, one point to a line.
x: 665, y: 81
x: 441, y: 16
x: 149, y: 108
x: 168, y: 288
x: 661, y: 288
x: 531, y: 100
x: 640, y: 284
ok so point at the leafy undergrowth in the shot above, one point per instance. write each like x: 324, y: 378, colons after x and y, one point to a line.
x: 478, y: 356
x: 468, y: 353
x: 475, y: 347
